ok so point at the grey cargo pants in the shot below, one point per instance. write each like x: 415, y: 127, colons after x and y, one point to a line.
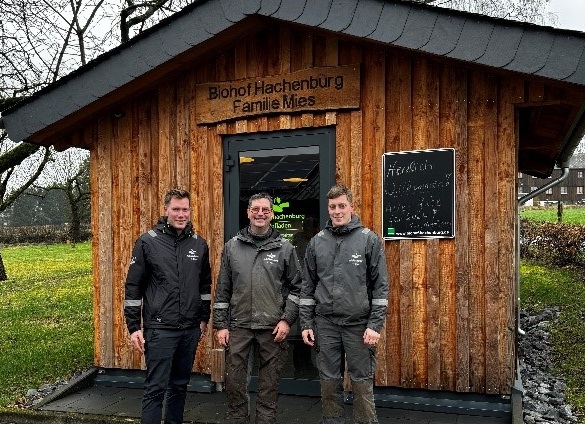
x: 332, y: 341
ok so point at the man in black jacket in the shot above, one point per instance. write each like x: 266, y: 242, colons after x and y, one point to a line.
x: 168, y: 288
x: 256, y: 302
x: 343, y: 305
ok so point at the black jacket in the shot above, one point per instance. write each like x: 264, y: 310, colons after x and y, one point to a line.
x: 169, y: 279
x: 257, y: 286
x: 345, y: 277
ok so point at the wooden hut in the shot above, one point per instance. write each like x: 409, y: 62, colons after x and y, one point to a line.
x: 230, y: 97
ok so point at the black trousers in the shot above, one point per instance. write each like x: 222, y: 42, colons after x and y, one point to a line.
x: 169, y: 358
x: 272, y: 357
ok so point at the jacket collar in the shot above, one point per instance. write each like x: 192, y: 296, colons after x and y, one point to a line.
x: 163, y: 226
x: 245, y: 236
x: 353, y: 224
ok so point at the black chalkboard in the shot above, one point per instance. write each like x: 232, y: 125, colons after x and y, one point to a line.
x: 418, y: 194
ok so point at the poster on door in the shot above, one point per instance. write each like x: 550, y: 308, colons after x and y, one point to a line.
x: 296, y: 221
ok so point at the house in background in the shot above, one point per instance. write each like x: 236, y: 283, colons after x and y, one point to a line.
x: 229, y: 97
x: 570, y: 191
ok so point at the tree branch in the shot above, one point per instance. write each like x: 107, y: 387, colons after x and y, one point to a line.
x: 126, y: 24
x: 14, y: 195
x: 15, y: 156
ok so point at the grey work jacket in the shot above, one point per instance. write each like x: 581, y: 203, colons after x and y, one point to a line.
x: 257, y: 285
x: 345, y: 277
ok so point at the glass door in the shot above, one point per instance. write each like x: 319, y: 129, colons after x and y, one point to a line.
x: 296, y: 168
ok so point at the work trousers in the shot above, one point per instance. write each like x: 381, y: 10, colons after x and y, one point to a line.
x: 169, y: 358
x: 272, y: 357
x: 332, y: 342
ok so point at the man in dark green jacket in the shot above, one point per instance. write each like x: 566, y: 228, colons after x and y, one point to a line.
x: 256, y: 302
x: 343, y: 305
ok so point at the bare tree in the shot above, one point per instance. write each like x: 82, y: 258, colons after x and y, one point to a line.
x: 69, y: 172
x: 534, y: 11
x: 34, y: 52
x: 43, y: 40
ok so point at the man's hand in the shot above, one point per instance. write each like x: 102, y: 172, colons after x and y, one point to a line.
x: 281, y: 331
x: 371, y: 337
x: 308, y: 337
x: 137, y: 340
x: 203, y: 327
x: 223, y: 337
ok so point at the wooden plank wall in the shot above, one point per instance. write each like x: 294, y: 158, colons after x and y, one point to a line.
x: 451, y: 316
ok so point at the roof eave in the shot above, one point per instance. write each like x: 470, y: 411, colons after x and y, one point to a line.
x: 475, y: 39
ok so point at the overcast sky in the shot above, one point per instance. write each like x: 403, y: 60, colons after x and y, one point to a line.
x: 570, y: 13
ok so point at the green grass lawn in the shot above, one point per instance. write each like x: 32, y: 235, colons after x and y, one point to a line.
x: 571, y: 215
x: 542, y: 286
x: 46, y: 315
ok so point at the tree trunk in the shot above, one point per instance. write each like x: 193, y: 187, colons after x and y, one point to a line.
x: 3, y: 276
x: 75, y: 229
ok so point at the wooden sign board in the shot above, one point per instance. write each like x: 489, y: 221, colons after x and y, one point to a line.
x: 322, y: 88
x: 418, y: 194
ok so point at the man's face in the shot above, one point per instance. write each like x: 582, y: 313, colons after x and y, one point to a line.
x: 260, y: 215
x: 340, y: 210
x: 178, y: 211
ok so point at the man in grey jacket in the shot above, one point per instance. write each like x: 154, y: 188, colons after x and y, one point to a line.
x: 256, y: 302
x: 343, y: 305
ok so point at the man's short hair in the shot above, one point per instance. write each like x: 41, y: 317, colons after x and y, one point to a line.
x: 260, y: 196
x: 176, y: 193
x: 339, y: 190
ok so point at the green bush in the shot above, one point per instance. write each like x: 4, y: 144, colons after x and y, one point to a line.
x: 40, y: 234
x: 553, y: 243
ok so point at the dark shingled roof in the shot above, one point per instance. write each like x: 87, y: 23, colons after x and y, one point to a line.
x: 514, y: 46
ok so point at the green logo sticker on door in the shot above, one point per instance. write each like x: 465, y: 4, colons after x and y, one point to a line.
x: 279, y: 206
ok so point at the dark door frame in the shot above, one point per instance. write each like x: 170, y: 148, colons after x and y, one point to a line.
x: 324, y: 138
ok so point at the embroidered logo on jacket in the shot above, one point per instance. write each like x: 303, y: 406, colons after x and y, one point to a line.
x: 192, y: 254
x: 355, y: 259
x: 133, y: 260
x: 271, y: 257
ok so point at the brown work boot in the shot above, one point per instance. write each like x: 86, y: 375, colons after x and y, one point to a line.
x: 364, y: 408
x: 332, y: 402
